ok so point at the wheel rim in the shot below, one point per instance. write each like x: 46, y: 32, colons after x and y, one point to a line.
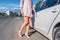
x: 57, y: 36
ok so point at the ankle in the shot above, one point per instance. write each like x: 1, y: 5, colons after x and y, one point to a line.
x: 26, y: 34
x: 20, y: 32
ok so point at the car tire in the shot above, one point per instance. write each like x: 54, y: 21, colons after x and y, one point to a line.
x: 56, y: 33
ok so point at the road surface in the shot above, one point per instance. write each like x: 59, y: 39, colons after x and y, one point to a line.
x: 9, y: 30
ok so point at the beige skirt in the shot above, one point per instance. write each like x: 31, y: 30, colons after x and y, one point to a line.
x: 27, y: 11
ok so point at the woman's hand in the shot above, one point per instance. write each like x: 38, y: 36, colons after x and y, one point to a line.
x: 35, y: 13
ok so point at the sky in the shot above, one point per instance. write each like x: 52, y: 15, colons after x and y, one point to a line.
x: 11, y: 4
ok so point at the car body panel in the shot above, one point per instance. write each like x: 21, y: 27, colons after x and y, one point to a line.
x: 46, y: 20
x: 57, y: 20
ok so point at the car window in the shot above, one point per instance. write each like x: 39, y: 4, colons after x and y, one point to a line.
x: 59, y: 1
x: 51, y: 3
x: 45, y: 4
x: 40, y: 5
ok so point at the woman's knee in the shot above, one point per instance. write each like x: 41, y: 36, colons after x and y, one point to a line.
x: 26, y: 22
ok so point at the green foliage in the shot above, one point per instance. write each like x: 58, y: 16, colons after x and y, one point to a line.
x: 13, y: 14
x: 20, y: 14
x: 2, y: 14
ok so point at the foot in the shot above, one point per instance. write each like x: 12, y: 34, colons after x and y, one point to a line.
x: 19, y: 33
x: 27, y: 36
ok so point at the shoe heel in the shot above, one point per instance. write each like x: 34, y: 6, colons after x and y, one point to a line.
x: 27, y: 36
x: 19, y: 34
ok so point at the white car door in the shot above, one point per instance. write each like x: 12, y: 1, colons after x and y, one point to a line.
x: 46, y: 17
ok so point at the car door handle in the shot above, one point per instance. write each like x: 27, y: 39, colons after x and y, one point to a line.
x: 54, y: 11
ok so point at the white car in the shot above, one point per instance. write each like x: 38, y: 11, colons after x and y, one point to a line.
x: 47, y: 21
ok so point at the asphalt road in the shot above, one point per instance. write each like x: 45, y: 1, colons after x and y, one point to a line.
x: 9, y: 30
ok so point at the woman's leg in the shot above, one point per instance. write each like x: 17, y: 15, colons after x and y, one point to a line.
x: 24, y: 24
x: 27, y: 28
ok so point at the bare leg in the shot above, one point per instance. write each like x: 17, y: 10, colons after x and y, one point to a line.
x: 27, y: 28
x: 23, y: 25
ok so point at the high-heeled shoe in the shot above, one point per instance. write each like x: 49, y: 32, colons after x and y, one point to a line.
x: 19, y: 34
x: 27, y: 36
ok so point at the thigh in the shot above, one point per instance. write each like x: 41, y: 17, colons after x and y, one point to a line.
x: 29, y: 19
x: 26, y: 19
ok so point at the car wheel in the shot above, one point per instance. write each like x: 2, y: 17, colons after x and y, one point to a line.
x: 56, y: 33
